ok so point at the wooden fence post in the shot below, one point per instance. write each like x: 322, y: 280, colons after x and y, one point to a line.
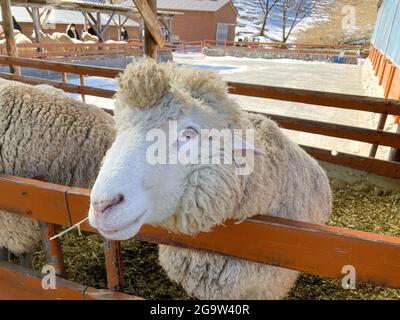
x: 395, y: 153
x: 115, y: 276
x: 150, y: 45
x: 52, y: 248
x: 82, y: 83
x: 8, y: 28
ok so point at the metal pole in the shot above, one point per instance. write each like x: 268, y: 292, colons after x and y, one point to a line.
x: 36, y: 25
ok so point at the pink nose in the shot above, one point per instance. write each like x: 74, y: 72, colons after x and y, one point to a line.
x: 102, y: 206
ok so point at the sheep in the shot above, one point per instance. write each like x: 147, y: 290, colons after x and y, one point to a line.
x: 86, y: 36
x: 47, y: 38
x: 132, y: 189
x: 62, y: 37
x: 46, y: 133
x: 20, y: 38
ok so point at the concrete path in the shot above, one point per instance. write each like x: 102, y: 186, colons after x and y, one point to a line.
x: 295, y: 74
x: 292, y: 74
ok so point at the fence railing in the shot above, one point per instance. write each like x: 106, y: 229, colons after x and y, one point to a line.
x: 309, y: 97
x: 295, y: 48
x: 320, y: 250
x: 80, y: 50
x: 388, y: 74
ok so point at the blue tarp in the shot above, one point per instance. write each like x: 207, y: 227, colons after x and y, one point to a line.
x: 386, y: 35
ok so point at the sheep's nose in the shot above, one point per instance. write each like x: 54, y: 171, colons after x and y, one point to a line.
x: 102, y: 206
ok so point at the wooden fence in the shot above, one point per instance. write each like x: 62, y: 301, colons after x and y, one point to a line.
x: 71, y: 51
x: 295, y: 48
x: 135, y: 47
x: 388, y: 75
x: 320, y: 250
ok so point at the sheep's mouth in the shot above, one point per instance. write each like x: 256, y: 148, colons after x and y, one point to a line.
x: 125, y: 232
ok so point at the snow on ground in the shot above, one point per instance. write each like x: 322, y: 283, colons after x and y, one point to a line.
x: 318, y: 76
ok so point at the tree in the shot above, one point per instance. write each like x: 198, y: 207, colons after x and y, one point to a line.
x: 292, y: 12
x: 266, y: 6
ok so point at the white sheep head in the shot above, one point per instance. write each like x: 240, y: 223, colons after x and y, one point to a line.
x: 132, y: 190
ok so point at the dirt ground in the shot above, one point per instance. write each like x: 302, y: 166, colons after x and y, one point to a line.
x: 372, y: 211
x: 333, y: 31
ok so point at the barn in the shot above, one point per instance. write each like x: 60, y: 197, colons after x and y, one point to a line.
x: 384, y: 58
x: 57, y: 20
x: 386, y: 43
x: 202, y: 19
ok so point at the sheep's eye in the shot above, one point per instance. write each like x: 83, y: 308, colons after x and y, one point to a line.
x: 187, y: 134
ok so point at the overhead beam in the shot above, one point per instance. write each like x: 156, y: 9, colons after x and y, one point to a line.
x: 148, y: 10
x: 150, y: 43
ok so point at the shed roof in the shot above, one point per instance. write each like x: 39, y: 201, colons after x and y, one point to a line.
x: 195, y: 5
x: 192, y: 5
x: 58, y: 16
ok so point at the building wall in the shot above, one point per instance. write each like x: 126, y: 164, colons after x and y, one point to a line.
x: 111, y: 32
x: 227, y: 15
x: 202, y: 25
x: 194, y: 25
x: 386, y: 36
x: 385, y: 55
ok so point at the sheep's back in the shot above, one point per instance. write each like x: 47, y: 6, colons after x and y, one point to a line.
x: 51, y: 135
x: 297, y: 187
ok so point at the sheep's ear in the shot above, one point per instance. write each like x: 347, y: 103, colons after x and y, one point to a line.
x: 205, y: 85
x: 242, y: 147
x: 142, y: 84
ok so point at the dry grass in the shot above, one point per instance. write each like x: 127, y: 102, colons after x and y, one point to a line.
x: 331, y: 31
x: 371, y: 211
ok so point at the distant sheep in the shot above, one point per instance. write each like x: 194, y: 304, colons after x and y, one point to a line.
x: 86, y: 36
x: 47, y: 38
x: 189, y: 198
x: 44, y: 132
x: 20, y: 38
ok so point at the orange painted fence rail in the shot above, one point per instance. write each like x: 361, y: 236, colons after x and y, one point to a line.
x: 388, y: 74
x: 135, y: 47
x: 25, y: 284
x: 80, y: 50
x: 298, y: 48
x: 320, y: 250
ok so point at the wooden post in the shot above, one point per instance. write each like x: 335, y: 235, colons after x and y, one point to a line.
x: 64, y: 77
x: 115, y: 276
x: 82, y: 82
x: 381, y: 126
x: 8, y: 28
x: 119, y: 29
x: 52, y: 248
x: 395, y: 153
x: 150, y: 45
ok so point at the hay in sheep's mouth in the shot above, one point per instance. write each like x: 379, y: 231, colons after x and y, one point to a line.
x: 371, y: 211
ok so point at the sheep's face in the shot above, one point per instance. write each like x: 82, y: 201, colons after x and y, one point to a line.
x: 153, y: 174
